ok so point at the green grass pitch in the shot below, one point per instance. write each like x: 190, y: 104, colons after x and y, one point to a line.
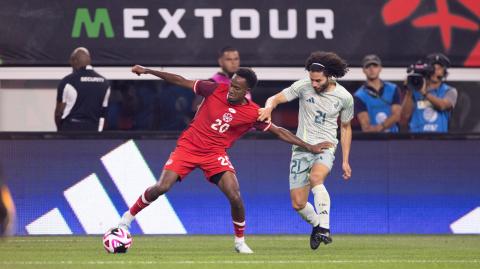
x: 271, y: 251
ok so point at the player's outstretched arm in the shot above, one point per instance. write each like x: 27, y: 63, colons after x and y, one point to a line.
x: 265, y: 114
x: 287, y: 136
x: 168, y: 77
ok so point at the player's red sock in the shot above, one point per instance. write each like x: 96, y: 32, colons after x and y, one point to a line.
x: 140, y: 204
x: 239, y: 228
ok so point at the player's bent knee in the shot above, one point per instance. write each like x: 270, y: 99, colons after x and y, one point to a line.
x: 298, y: 205
x: 314, y: 181
x: 236, y: 200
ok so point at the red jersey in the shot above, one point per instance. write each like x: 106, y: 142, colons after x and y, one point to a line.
x: 218, y: 124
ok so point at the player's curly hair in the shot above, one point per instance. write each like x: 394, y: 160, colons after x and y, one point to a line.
x: 249, y: 75
x: 327, y: 62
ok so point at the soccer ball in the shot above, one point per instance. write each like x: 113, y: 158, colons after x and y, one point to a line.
x: 117, y: 240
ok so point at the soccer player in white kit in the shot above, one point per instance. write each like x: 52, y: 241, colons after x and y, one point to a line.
x: 322, y: 102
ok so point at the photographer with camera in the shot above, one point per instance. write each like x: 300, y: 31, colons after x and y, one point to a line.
x: 428, y: 100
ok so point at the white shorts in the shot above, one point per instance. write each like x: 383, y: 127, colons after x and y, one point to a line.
x: 302, y: 163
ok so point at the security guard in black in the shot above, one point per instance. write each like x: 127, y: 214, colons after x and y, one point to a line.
x: 82, y: 96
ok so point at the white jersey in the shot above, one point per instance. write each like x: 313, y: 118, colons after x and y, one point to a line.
x: 319, y: 112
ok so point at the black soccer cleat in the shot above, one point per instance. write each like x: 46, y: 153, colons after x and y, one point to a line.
x: 320, y: 235
x: 324, y: 236
x: 315, y: 238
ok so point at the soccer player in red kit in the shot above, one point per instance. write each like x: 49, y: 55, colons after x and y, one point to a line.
x: 224, y: 117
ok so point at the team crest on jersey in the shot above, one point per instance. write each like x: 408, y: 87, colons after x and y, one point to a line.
x: 232, y: 110
x: 227, y: 117
x: 335, y: 106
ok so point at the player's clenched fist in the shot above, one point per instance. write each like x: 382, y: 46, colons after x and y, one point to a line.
x: 138, y: 69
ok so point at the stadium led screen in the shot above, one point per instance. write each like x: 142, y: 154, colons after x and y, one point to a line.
x: 83, y: 186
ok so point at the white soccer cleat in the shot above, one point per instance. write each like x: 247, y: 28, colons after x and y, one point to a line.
x: 126, y: 220
x: 242, y: 247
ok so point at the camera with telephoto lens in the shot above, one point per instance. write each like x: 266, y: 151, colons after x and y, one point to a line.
x: 418, y: 73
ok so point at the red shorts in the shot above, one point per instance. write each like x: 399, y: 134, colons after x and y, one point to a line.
x: 183, y: 162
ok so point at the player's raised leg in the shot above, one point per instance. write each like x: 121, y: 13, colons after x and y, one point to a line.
x: 228, y: 184
x: 166, y: 181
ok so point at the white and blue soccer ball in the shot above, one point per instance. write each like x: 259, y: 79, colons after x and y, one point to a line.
x: 117, y: 240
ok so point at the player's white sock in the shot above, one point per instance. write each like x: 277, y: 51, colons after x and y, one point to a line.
x: 308, y: 214
x: 126, y: 220
x: 239, y: 239
x: 241, y: 246
x: 322, y: 205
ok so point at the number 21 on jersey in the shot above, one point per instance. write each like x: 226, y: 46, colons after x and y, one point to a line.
x: 320, y: 117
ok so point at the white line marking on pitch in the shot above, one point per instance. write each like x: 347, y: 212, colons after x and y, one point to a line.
x: 232, y: 262
x: 167, y: 238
